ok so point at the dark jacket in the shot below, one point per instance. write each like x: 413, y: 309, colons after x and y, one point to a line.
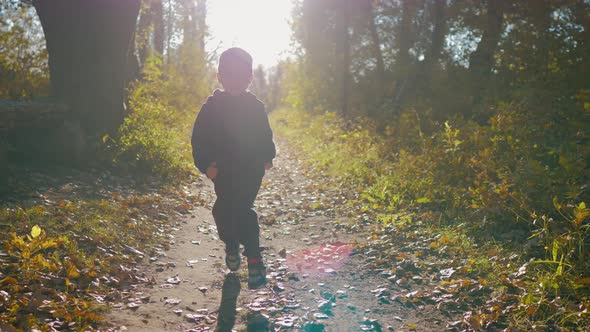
x: 232, y: 131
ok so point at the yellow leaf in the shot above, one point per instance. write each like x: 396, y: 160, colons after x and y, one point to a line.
x: 556, y: 203
x: 581, y: 215
x: 445, y: 240
x: 583, y: 281
x: 8, y: 280
x: 531, y: 309
x: 73, y: 272
x: 36, y: 231
x: 48, y: 244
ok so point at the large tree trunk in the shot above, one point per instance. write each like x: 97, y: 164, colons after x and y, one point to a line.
x: 88, y: 44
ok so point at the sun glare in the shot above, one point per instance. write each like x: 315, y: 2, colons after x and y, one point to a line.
x: 259, y: 26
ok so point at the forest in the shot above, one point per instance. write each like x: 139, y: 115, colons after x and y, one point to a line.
x: 447, y: 140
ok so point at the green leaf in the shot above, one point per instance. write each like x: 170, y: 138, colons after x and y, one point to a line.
x: 423, y: 200
x: 556, y: 204
x: 554, y: 250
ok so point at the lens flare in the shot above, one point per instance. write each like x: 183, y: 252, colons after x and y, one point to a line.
x: 319, y: 261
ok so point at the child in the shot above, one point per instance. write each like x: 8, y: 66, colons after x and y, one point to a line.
x: 232, y: 144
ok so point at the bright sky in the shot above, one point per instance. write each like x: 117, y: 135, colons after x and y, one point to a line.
x: 261, y: 27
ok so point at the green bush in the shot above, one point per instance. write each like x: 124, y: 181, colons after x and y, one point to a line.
x: 155, y: 136
x: 506, y: 171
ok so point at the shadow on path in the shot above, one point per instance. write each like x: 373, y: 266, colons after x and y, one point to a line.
x: 229, y: 297
x: 228, y: 308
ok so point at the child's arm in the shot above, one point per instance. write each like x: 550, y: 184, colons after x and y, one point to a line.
x: 268, y: 146
x: 202, y: 139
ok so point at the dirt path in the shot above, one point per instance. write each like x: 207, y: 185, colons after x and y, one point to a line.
x: 317, y: 279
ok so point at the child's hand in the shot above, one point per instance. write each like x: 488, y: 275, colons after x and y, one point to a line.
x: 268, y: 165
x: 212, y: 171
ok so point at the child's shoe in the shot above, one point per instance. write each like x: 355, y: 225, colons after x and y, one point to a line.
x: 256, y: 273
x: 232, y: 260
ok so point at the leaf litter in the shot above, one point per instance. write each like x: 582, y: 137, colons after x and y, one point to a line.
x: 65, y: 222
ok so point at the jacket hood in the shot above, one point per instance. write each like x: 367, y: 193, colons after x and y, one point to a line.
x: 218, y: 93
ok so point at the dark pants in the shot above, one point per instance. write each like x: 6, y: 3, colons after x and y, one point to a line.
x: 233, y: 211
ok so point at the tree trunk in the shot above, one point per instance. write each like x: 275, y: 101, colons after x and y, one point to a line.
x: 405, y: 39
x: 201, y: 12
x: 88, y: 44
x: 439, y: 31
x: 169, y: 30
x: 583, y: 49
x: 481, y: 60
x: 343, y: 54
x: 189, y: 26
x: 158, y: 19
x: 144, y: 34
x: 133, y: 67
x: 377, y: 53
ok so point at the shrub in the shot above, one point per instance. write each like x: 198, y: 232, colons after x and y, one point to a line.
x: 154, y: 138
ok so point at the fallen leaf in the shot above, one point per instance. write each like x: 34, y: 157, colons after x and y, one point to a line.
x: 174, y: 280
x: 172, y: 301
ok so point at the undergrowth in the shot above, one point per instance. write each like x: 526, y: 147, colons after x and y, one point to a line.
x: 154, y: 138
x: 505, y: 185
x: 62, y: 258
